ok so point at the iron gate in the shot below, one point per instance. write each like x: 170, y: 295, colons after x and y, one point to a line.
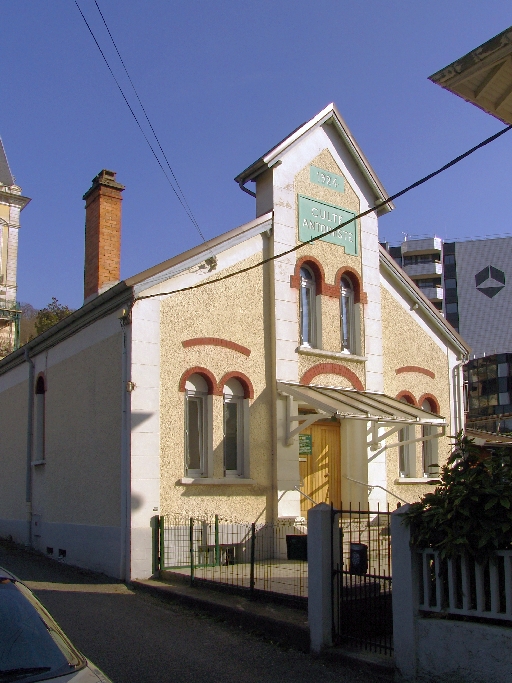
x: 362, y: 609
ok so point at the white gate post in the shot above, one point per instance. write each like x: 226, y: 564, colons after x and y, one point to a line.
x: 404, y: 595
x: 323, y: 549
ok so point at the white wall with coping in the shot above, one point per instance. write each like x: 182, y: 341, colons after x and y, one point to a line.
x: 144, y: 442
x: 433, y: 650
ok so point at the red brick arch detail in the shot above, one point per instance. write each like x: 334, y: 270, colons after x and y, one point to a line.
x: 209, y: 377
x: 415, y: 368
x: 409, y: 398
x: 216, y: 341
x: 243, y: 379
x: 317, y: 270
x: 332, y: 369
x: 360, y: 297
x: 432, y: 400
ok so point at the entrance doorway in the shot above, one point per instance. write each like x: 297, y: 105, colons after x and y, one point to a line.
x: 320, y: 469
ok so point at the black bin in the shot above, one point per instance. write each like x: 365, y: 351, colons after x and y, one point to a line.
x: 358, y: 558
x: 296, y: 547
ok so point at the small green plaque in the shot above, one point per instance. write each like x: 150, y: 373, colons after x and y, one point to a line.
x: 305, y: 444
x: 317, y: 217
x: 333, y: 181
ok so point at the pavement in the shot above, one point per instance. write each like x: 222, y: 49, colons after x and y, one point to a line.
x: 169, y: 631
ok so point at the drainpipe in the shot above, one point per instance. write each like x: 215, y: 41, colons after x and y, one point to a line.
x: 30, y: 436
x: 458, y: 395
x: 124, y: 569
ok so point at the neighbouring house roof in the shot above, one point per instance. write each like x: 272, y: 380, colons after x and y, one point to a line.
x: 439, y: 322
x: 328, y: 115
x: 483, y: 76
x: 6, y: 177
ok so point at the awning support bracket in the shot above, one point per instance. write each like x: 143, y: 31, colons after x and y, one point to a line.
x: 305, y: 421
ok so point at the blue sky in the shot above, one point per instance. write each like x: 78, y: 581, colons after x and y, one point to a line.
x: 222, y: 83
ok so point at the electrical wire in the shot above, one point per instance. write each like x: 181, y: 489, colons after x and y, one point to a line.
x: 149, y: 123
x: 376, y: 207
x: 183, y: 204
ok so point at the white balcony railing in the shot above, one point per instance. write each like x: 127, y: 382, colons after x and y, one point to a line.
x: 462, y: 586
x: 423, y: 246
x: 433, y: 293
x: 424, y: 269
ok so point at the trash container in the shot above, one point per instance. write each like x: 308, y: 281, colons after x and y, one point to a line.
x: 358, y: 558
x: 297, y: 547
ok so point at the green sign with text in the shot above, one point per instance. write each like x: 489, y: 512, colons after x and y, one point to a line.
x: 305, y: 444
x: 316, y: 218
x: 324, y: 178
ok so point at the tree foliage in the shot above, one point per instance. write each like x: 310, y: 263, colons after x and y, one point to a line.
x: 50, y: 315
x: 471, y: 511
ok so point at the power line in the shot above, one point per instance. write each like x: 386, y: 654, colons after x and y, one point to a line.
x: 376, y: 207
x: 149, y: 122
x: 183, y: 204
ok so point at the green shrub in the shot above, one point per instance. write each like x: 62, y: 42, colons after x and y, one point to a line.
x: 471, y: 510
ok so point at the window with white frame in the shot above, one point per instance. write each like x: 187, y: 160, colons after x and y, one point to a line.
x: 196, y: 426
x: 307, y: 307
x: 347, y: 323
x: 234, y: 428
x: 40, y: 419
x: 429, y: 447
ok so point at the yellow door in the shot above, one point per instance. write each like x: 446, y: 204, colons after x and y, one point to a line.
x: 321, y: 471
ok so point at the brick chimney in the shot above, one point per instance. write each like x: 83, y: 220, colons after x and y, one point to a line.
x: 102, y: 268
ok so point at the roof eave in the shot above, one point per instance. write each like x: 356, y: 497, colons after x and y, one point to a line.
x: 325, y: 116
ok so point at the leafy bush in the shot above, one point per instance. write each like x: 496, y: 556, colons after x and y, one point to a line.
x: 471, y: 511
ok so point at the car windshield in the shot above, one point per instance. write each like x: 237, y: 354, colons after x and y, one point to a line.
x: 32, y: 647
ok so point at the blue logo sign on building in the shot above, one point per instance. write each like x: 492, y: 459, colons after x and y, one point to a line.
x: 493, y: 279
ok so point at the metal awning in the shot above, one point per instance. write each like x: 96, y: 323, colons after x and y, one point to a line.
x: 350, y: 404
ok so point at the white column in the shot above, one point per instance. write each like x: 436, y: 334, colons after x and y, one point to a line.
x: 405, y: 605
x: 321, y: 557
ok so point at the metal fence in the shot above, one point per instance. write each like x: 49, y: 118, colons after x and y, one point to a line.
x: 256, y: 558
x: 362, y: 581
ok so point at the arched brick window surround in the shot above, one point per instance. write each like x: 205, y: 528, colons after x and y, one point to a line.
x: 360, y: 297
x: 216, y: 341
x: 409, y: 398
x: 243, y: 379
x: 332, y: 369
x: 432, y: 400
x: 415, y: 368
x: 316, y: 268
x: 40, y: 386
x: 208, y: 377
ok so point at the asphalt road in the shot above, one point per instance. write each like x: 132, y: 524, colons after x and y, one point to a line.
x: 136, y: 638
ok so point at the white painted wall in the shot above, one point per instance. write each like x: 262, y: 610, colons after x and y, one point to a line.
x: 144, y: 441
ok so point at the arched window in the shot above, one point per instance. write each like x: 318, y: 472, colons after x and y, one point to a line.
x: 40, y: 419
x: 307, y: 307
x: 196, y: 426
x: 406, y: 451
x: 429, y: 448
x: 234, y: 418
x: 347, y: 326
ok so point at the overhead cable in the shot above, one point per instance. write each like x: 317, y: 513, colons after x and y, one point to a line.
x: 376, y: 207
x: 181, y: 200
